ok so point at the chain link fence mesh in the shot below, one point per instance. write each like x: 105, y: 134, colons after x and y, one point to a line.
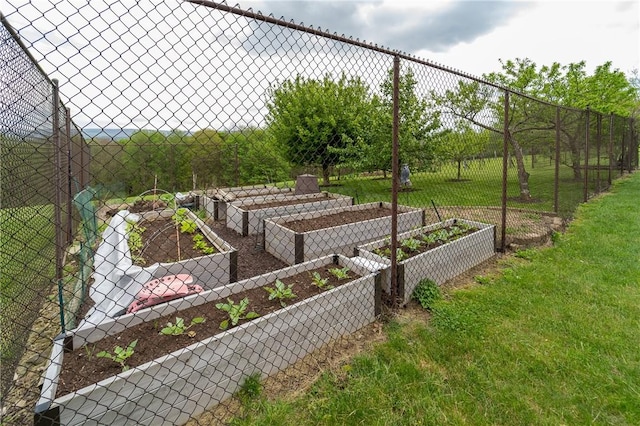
x: 244, y: 191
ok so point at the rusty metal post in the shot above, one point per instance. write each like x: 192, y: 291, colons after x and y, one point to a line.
x: 586, y: 156
x: 633, y: 143
x: 556, y: 182
x: 55, y: 110
x: 598, y: 141
x: 505, y: 166
x: 610, y: 150
x: 394, y: 179
x: 69, y: 174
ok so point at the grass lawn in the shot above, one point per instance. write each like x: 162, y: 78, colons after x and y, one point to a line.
x: 550, y: 339
x: 480, y: 184
x: 27, y: 262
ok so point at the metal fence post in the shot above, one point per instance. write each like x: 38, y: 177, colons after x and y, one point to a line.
x: 58, y: 198
x: 610, y: 150
x: 69, y: 174
x: 505, y: 166
x: 598, y: 142
x: 394, y: 178
x: 556, y: 181
x: 586, y: 156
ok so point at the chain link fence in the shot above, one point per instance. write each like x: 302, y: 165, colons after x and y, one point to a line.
x: 244, y: 192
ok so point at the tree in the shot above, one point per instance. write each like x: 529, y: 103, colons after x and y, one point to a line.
x: 206, y: 157
x: 474, y: 103
x: 310, y: 117
x: 419, y: 129
x: 462, y: 143
x: 419, y: 126
x: 606, y: 91
x: 251, y: 157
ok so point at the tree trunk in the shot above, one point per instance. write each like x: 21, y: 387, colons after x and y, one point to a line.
x: 325, y: 175
x: 523, y: 175
x: 459, y: 162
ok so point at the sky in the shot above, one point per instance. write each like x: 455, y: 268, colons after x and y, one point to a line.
x: 169, y: 64
x: 472, y: 36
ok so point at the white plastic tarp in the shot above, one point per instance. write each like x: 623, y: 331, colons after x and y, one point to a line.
x: 116, y: 279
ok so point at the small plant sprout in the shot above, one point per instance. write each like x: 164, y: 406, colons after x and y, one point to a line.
x: 179, y: 328
x: 236, y: 312
x: 188, y: 226
x: 200, y: 244
x: 411, y: 244
x: 89, y: 350
x: 340, y: 273
x: 134, y: 240
x: 119, y: 354
x: 281, y: 292
x: 400, y: 255
x: 181, y: 215
x: 320, y: 282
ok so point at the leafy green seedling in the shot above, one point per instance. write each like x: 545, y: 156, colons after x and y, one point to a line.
x: 339, y: 273
x: 181, y: 215
x: 411, y: 244
x: 188, y: 226
x: 280, y: 292
x: 201, y: 245
x: 134, y: 240
x: 320, y: 282
x: 179, y: 328
x: 400, y: 254
x: 119, y: 354
x: 236, y: 312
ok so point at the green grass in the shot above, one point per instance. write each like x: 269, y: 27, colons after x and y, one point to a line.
x: 552, y: 339
x: 27, y: 261
x: 480, y: 185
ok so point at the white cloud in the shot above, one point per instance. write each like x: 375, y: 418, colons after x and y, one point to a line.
x: 171, y: 64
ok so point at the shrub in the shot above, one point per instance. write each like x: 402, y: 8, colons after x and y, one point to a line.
x: 426, y: 292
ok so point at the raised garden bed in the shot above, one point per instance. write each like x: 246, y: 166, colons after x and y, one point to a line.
x: 304, y: 236
x: 437, y: 252
x: 246, y: 216
x: 117, y: 280
x: 175, y: 387
x: 215, y: 201
x: 161, y: 253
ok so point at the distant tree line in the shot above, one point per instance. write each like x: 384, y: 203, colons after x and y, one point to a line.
x: 177, y: 161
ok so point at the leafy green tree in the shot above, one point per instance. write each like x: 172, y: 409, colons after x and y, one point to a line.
x: 419, y: 129
x: 107, y: 160
x: 311, y: 118
x: 152, y: 158
x: 531, y: 121
x: 474, y: 103
x: 206, y: 148
x: 251, y: 157
x: 607, y: 91
x: 461, y: 144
